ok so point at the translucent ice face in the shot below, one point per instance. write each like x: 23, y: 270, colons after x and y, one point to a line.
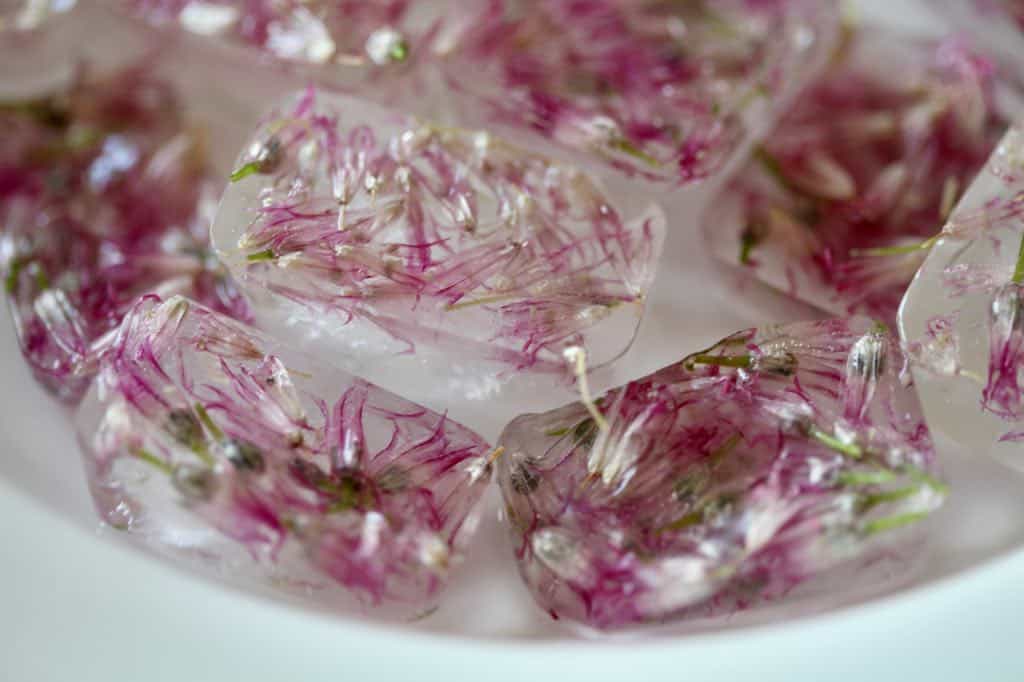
x: 443, y: 263
x: 723, y: 480
x: 210, y: 443
x: 961, y: 317
x: 837, y: 206
x: 662, y: 91
x: 106, y: 195
x: 997, y: 25
x: 26, y: 15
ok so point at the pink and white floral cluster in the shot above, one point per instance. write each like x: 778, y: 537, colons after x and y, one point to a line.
x: 843, y: 200
x: 331, y: 476
x: 105, y: 195
x: 654, y: 89
x: 436, y: 235
x: 727, y: 478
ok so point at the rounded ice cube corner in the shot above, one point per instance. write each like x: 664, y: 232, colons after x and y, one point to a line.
x: 211, y: 444
x: 442, y: 263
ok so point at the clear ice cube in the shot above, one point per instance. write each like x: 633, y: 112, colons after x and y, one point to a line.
x: 442, y: 263
x: 961, y: 317
x: 109, y: 178
x: 669, y: 92
x: 833, y: 207
x: 724, y: 480
x: 33, y: 47
x: 210, y: 443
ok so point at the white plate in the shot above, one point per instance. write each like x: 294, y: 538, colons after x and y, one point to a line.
x: 78, y: 604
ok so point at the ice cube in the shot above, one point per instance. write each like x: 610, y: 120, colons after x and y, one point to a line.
x: 723, y: 480
x: 444, y: 264
x: 961, y: 317
x: 837, y: 206
x: 211, y: 444
x: 33, y: 47
x: 346, y: 44
x: 106, y: 195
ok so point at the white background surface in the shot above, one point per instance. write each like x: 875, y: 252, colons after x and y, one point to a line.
x: 77, y: 605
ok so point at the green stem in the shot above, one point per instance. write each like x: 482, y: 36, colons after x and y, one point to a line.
x: 204, y: 417
x: 204, y: 454
x: 497, y: 298
x: 42, y: 281
x: 896, y: 250
x: 684, y: 522
x: 749, y: 240
x: 14, y: 269
x: 771, y: 165
x: 872, y: 501
x: 627, y: 147
x: 859, y: 478
x: 740, y: 361
x: 892, y: 522
x: 264, y: 255
x: 155, y: 461
x: 245, y: 171
x: 1018, y: 271
x: 832, y: 443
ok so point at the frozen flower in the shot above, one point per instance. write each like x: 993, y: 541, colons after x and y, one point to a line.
x: 105, y: 196
x: 433, y: 237
x: 744, y: 469
x: 961, y: 319
x: 198, y: 423
x: 1003, y: 392
x: 869, y: 163
x: 658, y: 90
